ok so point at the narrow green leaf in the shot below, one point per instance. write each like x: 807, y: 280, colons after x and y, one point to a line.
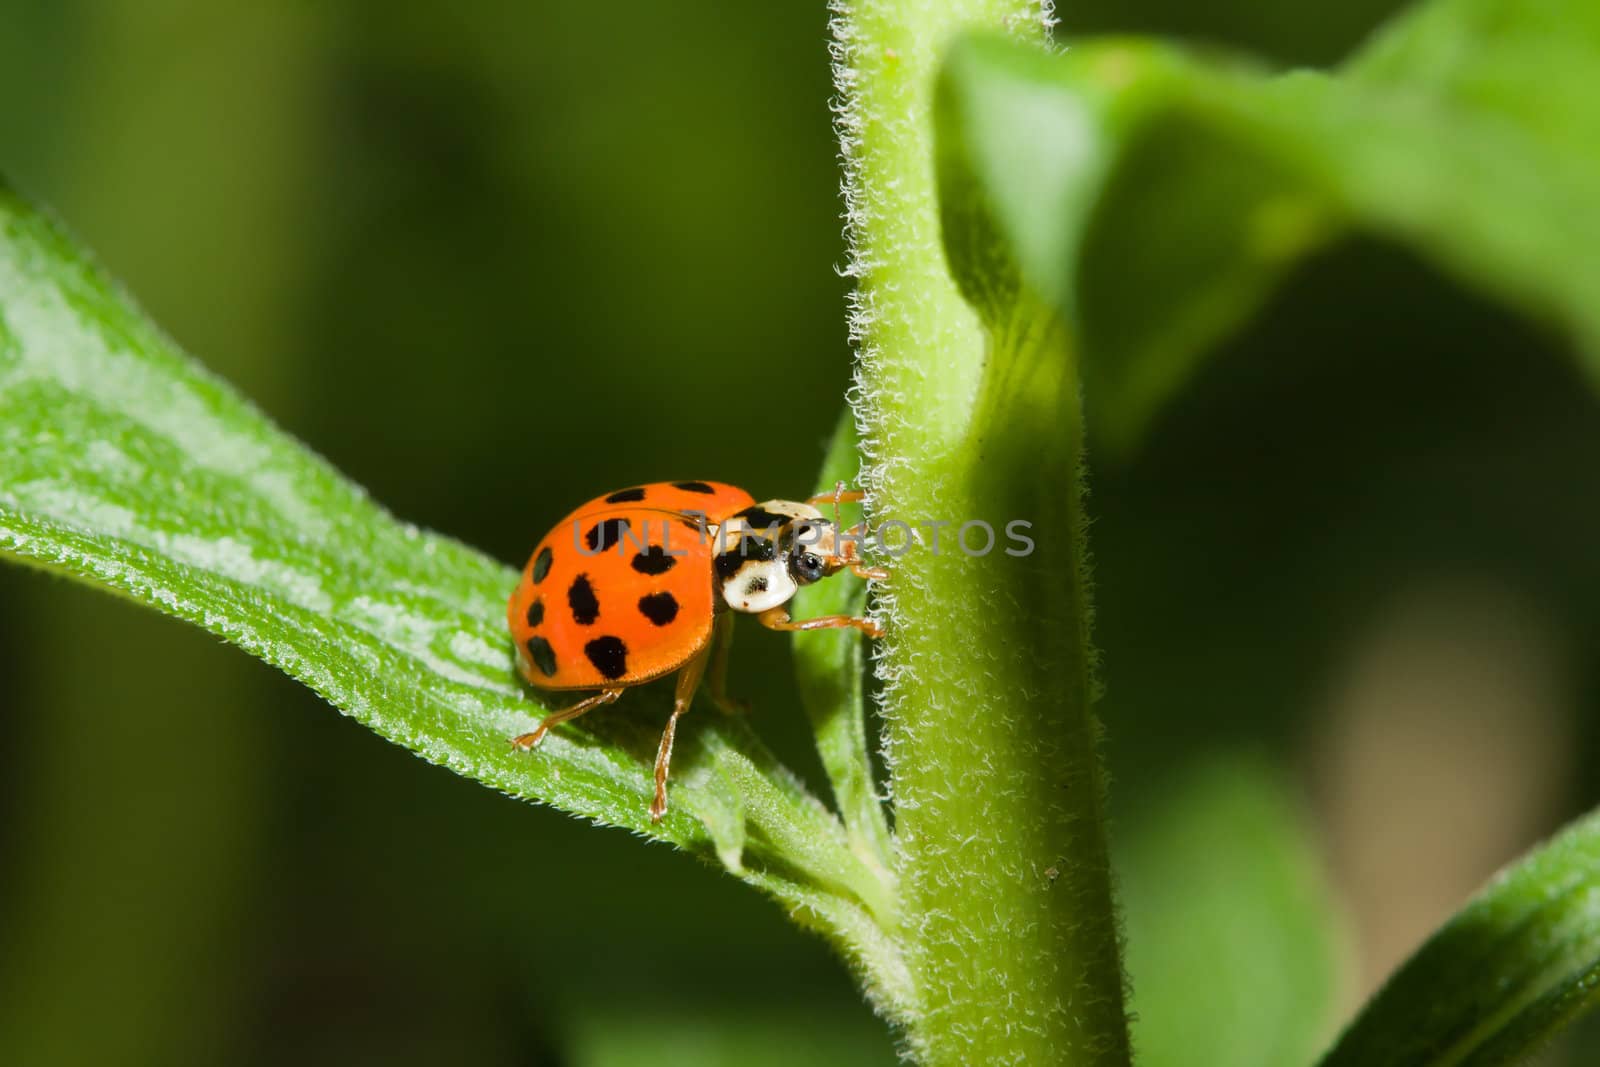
x: 125, y: 465
x: 1156, y: 198
x: 1514, y: 966
x: 831, y: 672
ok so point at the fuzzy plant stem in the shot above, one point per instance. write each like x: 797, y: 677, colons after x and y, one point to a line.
x: 1008, y: 929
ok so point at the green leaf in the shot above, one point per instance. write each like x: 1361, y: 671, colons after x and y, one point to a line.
x: 125, y: 465
x: 1514, y: 966
x: 1234, y: 953
x: 1157, y: 198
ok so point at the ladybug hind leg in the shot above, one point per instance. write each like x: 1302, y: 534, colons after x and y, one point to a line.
x: 718, y: 677
x: 529, y: 741
x: 688, y: 682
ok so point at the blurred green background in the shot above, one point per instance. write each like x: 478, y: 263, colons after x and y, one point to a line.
x: 1347, y: 589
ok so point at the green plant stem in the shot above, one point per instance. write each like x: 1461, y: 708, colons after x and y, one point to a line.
x: 1008, y: 929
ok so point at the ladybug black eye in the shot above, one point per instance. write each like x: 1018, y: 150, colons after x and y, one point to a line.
x: 806, y: 567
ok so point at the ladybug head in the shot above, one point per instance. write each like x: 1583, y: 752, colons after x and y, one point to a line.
x: 765, y: 553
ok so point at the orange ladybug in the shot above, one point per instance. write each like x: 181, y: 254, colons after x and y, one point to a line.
x: 639, y: 584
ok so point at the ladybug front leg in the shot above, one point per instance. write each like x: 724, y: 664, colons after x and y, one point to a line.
x: 778, y: 619
x: 850, y: 556
x: 847, y: 551
x: 527, y: 742
x: 688, y: 682
x: 840, y: 495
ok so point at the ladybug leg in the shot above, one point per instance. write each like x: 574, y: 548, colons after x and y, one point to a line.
x: 719, y: 669
x: 778, y: 619
x: 848, y: 540
x: 840, y: 495
x: 528, y: 742
x: 688, y: 682
x: 866, y: 573
x: 852, y: 558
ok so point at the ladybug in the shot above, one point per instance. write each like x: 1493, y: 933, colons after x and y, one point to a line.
x: 642, y: 583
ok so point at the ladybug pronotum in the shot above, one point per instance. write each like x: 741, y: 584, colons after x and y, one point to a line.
x: 642, y: 582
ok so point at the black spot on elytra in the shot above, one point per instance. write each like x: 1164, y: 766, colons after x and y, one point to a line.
x: 756, y: 548
x: 541, y: 564
x: 609, y: 656
x: 659, y: 608
x: 544, y: 657
x: 759, y: 519
x: 604, y: 534
x: 581, y: 598
x: 693, y: 487
x: 626, y: 496
x: 536, y: 612
x: 654, y: 560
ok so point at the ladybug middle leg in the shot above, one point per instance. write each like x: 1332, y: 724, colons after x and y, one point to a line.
x: 529, y: 741
x: 688, y: 682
